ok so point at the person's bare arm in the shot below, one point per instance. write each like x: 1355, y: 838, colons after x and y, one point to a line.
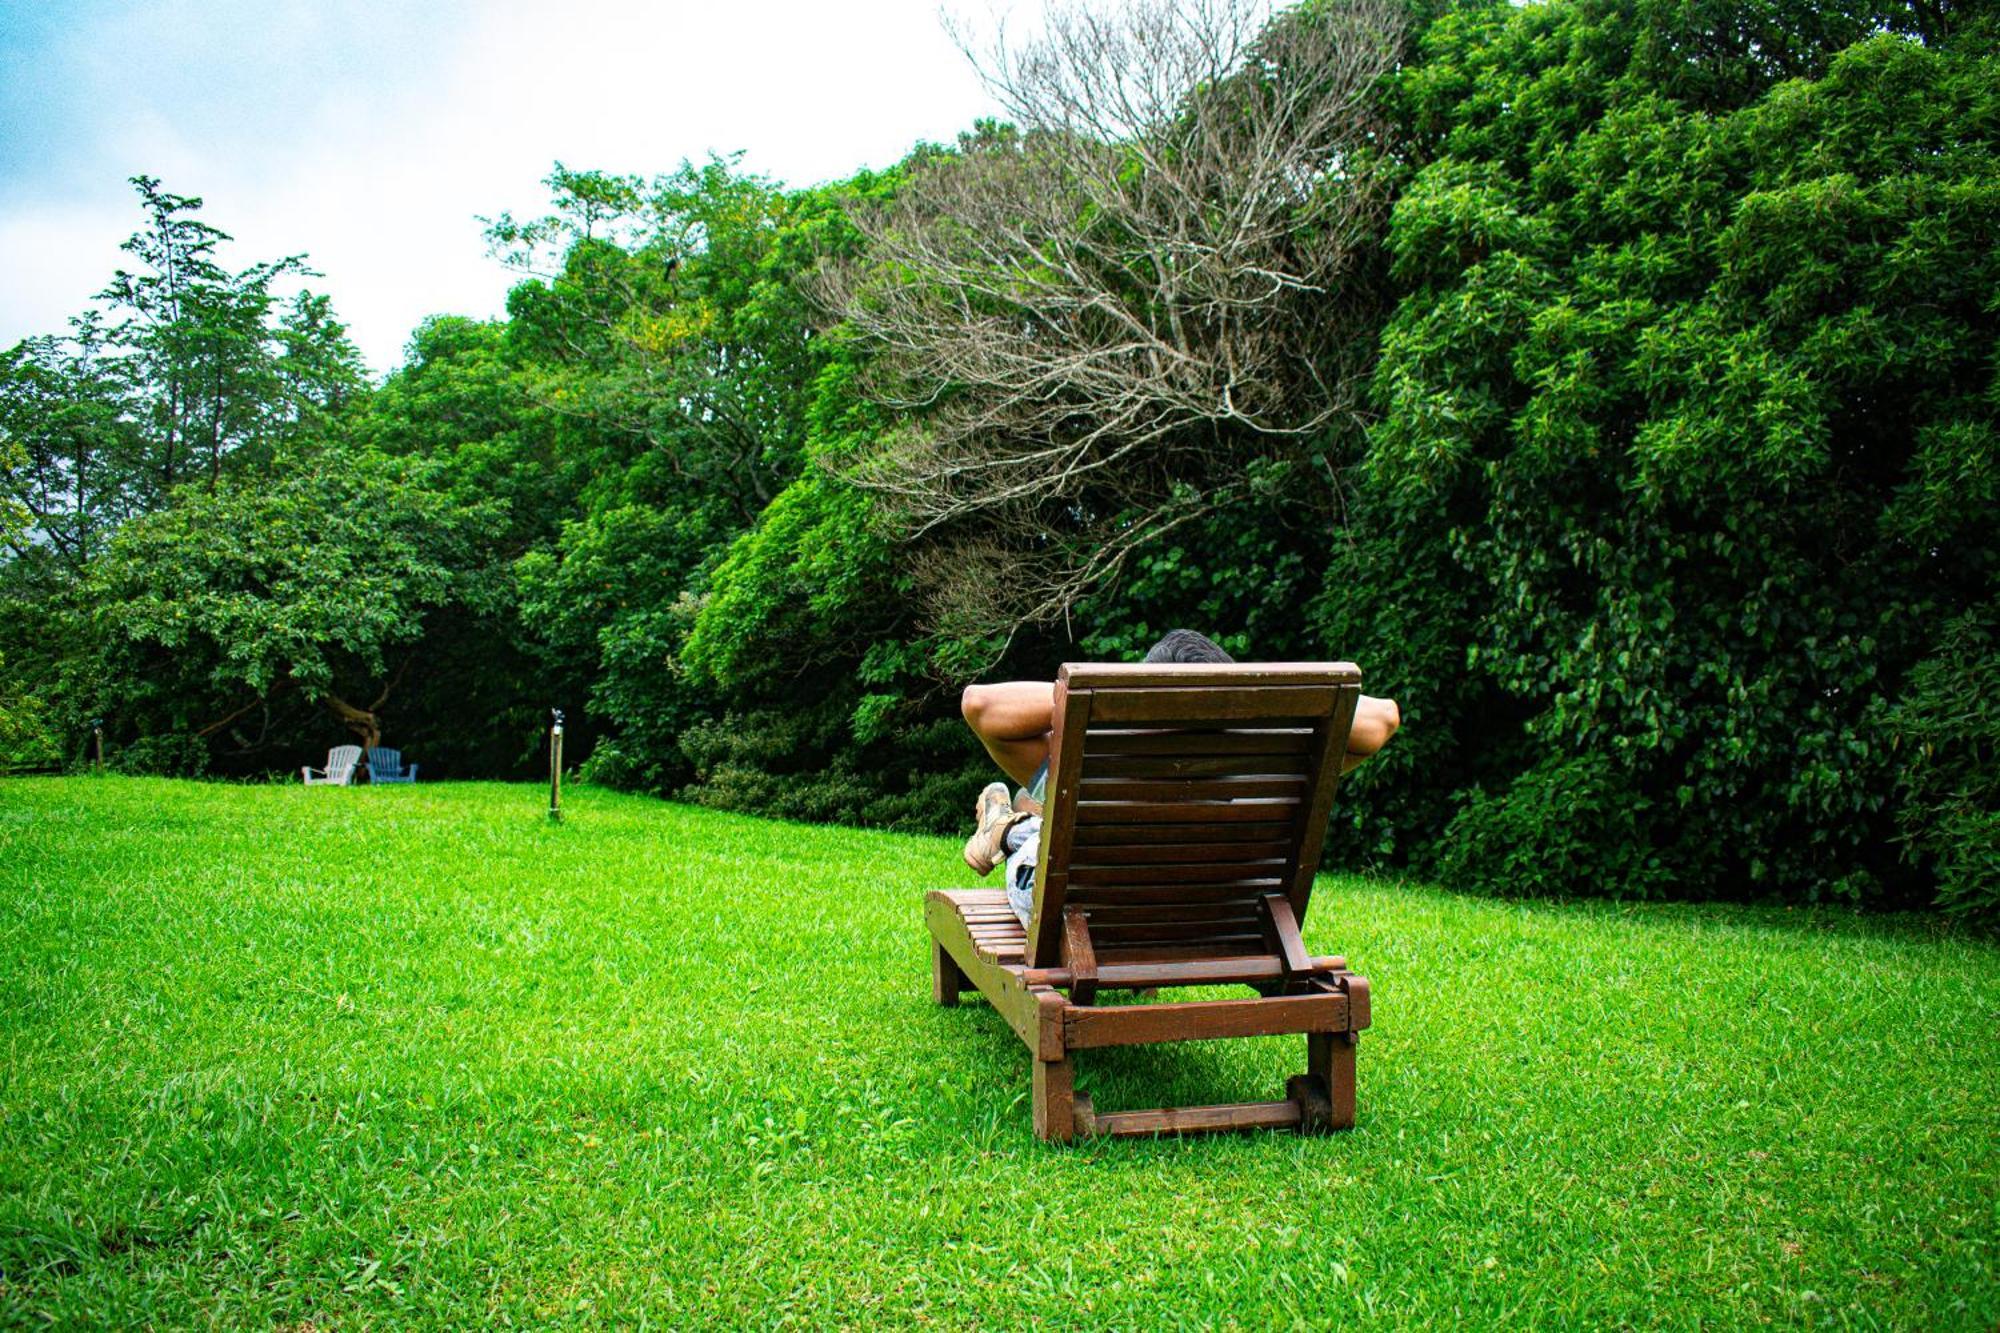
x: 1013, y: 720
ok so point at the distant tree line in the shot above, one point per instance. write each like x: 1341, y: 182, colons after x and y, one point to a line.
x: 1616, y: 382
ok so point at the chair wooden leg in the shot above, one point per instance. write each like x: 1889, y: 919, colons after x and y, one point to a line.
x: 947, y: 979
x: 1055, y: 1100
x: 1330, y: 1058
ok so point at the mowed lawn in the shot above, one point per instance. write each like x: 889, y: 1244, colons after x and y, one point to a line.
x: 353, y: 1058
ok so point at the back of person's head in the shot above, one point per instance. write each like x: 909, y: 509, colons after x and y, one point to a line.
x: 1184, y: 645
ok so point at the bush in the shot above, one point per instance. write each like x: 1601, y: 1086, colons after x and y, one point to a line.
x: 1945, y: 735
x: 174, y: 755
x: 609, y: 766
x: 804, y: 765
x: 1567, y: 826
x: 1686, y: 458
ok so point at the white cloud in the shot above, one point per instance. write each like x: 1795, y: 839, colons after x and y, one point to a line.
x: 379, y: 164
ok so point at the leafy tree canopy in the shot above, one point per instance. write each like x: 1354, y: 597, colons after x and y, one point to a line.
x: 1687, y: 450
x: 317, y: 582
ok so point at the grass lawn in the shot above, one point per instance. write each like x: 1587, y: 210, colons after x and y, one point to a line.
x: 417, y: 1056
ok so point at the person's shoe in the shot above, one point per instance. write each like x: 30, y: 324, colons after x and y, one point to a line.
x: 1025, y: 804
x: 987, y: 847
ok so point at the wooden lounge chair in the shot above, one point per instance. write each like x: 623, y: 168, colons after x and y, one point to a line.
x: 339, y: 770
x: 1186, y: 808
x: 386, y: 765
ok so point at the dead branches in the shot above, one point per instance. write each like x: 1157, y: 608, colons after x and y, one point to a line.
x: 1092, y: 321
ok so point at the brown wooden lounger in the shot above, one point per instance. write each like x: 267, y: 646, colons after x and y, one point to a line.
x: 1186, y: 808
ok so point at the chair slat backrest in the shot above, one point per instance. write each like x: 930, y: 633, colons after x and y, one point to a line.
x: 1179, y: 796
x: 383, y: 760
x: 342, y: 758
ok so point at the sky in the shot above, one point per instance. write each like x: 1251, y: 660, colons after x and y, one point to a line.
x: 373, y: 134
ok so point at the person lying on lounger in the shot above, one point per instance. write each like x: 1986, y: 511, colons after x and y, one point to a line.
x: 1013, y: 720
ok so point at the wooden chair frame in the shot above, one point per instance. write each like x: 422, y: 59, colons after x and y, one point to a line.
x: 1186, y: 812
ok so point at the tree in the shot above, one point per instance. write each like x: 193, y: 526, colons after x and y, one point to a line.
x: 191, y: 339
x: 314, y: 585
x: 1097, y: 322
x: 23, y: 734
x: 663, y: 319
x: 669, y: 339
x: 317, y: 367
x: 73, y: 453
x: 182, y: 366
x: 1687, y: 452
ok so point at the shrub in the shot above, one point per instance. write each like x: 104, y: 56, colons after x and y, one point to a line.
x: 177, y: 754
x: 1945, y: 735
x: 1569, y: 825
x: 1686, y: 457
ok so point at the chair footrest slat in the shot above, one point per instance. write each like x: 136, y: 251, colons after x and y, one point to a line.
x: 1187, y: 1119
x: 1188, y: 972
x: 1139, y: 1024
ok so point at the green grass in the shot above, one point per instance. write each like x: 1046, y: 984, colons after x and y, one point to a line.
x: 416, y: 1056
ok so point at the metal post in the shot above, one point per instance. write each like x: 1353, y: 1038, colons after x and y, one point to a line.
x: 97, y: 733
x: 555, y: 765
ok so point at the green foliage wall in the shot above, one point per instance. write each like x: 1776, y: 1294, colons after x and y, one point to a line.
x: 1685, y: 472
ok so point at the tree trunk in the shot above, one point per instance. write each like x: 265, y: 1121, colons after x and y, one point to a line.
x: 361, y: 721
x: 365, y: 722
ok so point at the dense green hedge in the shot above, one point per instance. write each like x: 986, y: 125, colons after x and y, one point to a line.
x: 1688, y: 425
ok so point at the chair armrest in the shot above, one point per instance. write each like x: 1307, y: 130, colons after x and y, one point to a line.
x: 410, y: 772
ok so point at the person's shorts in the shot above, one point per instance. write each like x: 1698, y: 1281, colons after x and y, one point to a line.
x: 1024, y: 849
x: 1037, y: 789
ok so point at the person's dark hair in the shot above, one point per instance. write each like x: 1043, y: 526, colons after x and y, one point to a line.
x: 1184, y: 645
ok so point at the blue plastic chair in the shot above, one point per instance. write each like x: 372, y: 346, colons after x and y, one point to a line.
x: 386, y: 765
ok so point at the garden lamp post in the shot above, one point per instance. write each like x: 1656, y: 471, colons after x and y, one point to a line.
x: 555, y: 765
x: 97, y: 738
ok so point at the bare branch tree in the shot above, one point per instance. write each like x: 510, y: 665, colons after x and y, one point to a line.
x: 1094, y: 320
